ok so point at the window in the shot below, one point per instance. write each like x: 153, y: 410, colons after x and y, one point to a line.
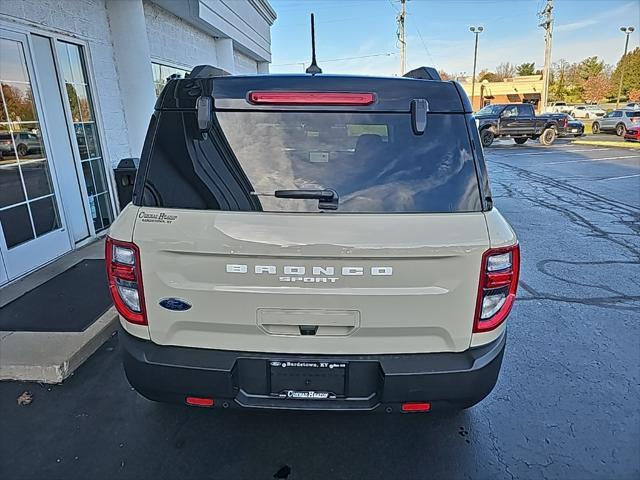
x: 632, y: 114
x: 616, y: 114
x: 511, y: 111
x: 162, y: 72
x: 526, y: 110
x: 373, y: 161
x: 78, y: 92
x: 28, y: 207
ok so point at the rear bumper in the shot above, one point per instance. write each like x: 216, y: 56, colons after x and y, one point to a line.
x: 372, y: 382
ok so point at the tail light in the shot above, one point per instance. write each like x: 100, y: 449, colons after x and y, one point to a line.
x: 497, y: 289
x: 566, y: 122
x: 125, y: 280
x: 635, y: 119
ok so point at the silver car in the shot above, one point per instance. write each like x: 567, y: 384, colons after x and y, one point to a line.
x: 618, y: 121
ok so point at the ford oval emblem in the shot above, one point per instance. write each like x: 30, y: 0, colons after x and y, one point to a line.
x: 174, y: 304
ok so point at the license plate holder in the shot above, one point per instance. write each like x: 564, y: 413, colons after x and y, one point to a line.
x: 307, y: 380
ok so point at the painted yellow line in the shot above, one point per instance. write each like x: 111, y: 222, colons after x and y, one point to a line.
x: 605, y: 143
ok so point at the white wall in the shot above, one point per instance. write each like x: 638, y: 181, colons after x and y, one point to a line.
x: 174, y: 42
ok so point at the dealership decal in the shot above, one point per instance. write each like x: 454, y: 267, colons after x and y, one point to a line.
x: 156, y: 217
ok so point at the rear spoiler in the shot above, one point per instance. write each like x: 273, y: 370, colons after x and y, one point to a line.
x: 207, y: 71
x: 423, y: 73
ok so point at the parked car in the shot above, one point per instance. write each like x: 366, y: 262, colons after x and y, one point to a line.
x: 26, y: 143
x: 247, y: 274
x: 516, y: 120
x: 560, y: 107
x: 618, y: 121
x: 587, y: 111
x: 633, y: 105
x: 632, y: 135
x: 568, y: 126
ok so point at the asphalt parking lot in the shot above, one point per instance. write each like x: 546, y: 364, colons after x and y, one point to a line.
x: 566, y: 404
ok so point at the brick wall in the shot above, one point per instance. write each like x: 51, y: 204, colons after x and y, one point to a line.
x: 244, y: 63
x: 86, y: 20
x: 174, y: 42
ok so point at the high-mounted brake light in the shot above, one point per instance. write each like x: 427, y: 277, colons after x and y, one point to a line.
x: 311, y: 98
x: 125, y: 280
x: 499, y: 273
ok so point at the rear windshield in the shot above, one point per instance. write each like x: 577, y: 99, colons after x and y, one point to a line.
x: 374, y: 162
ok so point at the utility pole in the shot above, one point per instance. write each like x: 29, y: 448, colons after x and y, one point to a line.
x: 547, y: 24
x: 627, y: 31
x: 477, y: 31
x: 401, y: 37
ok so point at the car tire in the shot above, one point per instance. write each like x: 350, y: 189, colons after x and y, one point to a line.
x: 548, y: 136
x: 521, y: 140
x: 621, y: 129
x: 22, y: 150
x: 595, y: 128
x: 486, y: 137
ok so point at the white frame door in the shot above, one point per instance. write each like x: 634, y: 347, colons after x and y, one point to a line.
x: 40, y: 250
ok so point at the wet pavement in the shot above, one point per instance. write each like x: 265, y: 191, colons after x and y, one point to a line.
x: 565, y: 406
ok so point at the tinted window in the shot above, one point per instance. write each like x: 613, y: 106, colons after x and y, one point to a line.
x: 633, y: 114
x: 525, y: 110
x: 616, y: 114
x: 490, y: 110
x: 373, y: 161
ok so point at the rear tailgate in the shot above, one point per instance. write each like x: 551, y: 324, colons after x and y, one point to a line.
x: 398, y: 293
x: 393, y: 268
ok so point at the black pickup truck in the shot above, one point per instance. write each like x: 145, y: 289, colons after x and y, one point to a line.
x: 516, y: 120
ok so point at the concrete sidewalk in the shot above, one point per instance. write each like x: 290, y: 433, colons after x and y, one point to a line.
x: 50, y: 357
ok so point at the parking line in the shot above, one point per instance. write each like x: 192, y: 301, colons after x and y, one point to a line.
x: 590, y: 160
x: 558, y: 149
x: 623, y: 176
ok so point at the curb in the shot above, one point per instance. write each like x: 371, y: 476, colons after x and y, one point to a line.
x: 605, y: 143
x: 51, y: 357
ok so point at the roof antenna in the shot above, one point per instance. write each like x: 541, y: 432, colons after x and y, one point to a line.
x: 313, y: 68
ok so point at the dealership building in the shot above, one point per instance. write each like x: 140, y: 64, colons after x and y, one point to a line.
x: 79, y: 80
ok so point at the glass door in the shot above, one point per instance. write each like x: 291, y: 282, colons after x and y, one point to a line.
x: 32, y: 228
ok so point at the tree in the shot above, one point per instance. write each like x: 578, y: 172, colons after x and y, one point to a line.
x: 526, y: 69
x: 631, y: 80
x: 634, y: 95
x: 596, y: 88
x: 505, y: 70
x: 590, y: 67
x: 558, y: 84
x: 488, y: 76
x: 445, y: 76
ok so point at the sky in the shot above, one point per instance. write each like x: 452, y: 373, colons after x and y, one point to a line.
x: 359, y: 36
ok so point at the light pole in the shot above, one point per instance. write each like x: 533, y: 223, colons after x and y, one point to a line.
x: 627, y: 31
x: 476, y: 31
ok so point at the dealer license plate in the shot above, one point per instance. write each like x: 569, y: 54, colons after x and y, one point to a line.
x: 307, y: 380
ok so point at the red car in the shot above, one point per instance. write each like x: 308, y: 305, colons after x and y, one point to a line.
x: 632, y: 135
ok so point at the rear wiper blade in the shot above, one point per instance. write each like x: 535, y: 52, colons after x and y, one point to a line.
x: 327, y: 198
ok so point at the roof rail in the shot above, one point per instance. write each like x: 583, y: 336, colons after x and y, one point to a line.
x: 207, y: 71
x: 423, y: 73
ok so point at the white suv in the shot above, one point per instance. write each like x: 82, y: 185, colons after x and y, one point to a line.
x: 315, y: 243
